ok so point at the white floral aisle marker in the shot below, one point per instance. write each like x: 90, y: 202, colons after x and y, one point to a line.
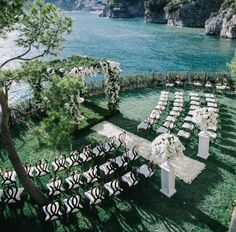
x: 205, y: 118
x: 167, y: 147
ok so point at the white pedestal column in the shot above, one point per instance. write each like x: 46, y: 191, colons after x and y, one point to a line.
x: 168, y: 179
x: 203, y: 145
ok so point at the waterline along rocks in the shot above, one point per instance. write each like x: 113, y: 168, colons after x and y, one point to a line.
x: 217, y: 16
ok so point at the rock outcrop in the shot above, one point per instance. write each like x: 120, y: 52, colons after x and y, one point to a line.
x: 126, y: 9
x: 154, y: 11
x: 222, y: 24
x: 192, y: 14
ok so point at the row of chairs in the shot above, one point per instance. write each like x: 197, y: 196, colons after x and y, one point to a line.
x: 62, y: 162
x: 188, y: 126
x: 75, y: 179
x: 173, y: 115
x: 156, y: 113
x: 195, y: 102
x: 96, y: 195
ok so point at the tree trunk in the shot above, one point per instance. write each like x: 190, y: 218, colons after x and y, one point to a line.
x: 25, y: 180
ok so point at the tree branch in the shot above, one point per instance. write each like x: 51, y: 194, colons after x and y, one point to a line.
x: 16, y: 57
x: 32, y: 58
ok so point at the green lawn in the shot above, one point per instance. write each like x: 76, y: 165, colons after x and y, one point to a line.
x: 205, y: 205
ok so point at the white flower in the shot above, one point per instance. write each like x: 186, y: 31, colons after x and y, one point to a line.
x: 166, y: 147
x: 205, y: 118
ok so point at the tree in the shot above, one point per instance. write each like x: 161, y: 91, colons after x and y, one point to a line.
x: 41, y: 29
x: 232, y: 66
x: 61, y: 102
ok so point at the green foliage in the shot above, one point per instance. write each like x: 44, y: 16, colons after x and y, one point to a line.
x: 229, y: 4
x: 10, y: 12
x: 232, y: 66
x: 43, y: 26
x: 55, y: 129
x: 156, y: 6
x: 74, y: 61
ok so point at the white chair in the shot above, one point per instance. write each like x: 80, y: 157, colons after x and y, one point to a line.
x: 188, y: 119
x: 113, y: 187
x: 120, y: 141
x: 174, y: 113
x: 184, y: 134
x: 52, y: 211
x: 41, y: 168
x: 1, y: 194
x: 196, y: 103
x: 94, y: 196
x: 74, y: 180
x: 193, y: 94
x: 119, y: 161
x: 194, y: 107
x: 107, y: 168
x: 168, y: 125
x: 177, y: 109
x: 178, y: 104
x: 171, y: 119
x: 110, y: 145
x: 213, y: 105
x: 72, y: 204
x: 188, y: 126
x: 73, y: 159
x: 132, y: 154
x: 59, y: 164
x: 162, y: 130
x: 55, y: 187
x: 29, y: 170
x: 13, y: 195
x: 129, y: 179
x: 145, y: 171
x: 193, y: 98
x: 8, y: 177
x: 91, y: 175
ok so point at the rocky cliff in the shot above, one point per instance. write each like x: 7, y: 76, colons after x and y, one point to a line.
x: 191, y: 13
x: 218, y: 16
x: 125, y: 8
x: 154, y: 11
x: 223, y: 23
x: 186, y: 13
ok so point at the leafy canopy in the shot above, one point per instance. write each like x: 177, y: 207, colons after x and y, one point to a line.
x: 40, y: 27
x: 10, y: 12
x: 232, y: 66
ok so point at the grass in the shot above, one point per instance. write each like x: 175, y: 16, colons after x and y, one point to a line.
x: 205, y: 205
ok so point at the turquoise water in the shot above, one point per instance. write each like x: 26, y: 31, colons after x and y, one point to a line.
x: 141, y: 47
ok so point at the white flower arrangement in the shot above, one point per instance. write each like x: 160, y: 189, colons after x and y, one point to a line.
x: 205, y: 118
x: 166, y: 147
x: 111, y: 71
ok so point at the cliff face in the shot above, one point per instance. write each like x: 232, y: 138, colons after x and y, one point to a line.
x: 192, y: 14
x: 218, y: 16
x: 154, y: 11
x: 126, y: 8
x: 186, y: 13
x: 223, y: 23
